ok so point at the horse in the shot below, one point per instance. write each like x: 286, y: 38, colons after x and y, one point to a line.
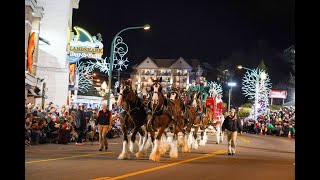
x: 158, y: 120
x: 189, y: 118
x: 176, y: 107
x: 134, y: 118
x: 205, y: 116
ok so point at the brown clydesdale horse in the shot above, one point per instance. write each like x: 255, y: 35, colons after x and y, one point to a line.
x: 159, y: 119
x: 204, y: 118
x: 134, y: 118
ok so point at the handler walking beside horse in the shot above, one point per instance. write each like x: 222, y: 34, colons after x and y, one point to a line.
x: 104, y: 125
x: 233, y: 125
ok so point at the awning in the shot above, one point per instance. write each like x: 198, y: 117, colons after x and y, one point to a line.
x: 31, y: 92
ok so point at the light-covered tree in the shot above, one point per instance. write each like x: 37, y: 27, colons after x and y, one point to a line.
x: 256, y: 85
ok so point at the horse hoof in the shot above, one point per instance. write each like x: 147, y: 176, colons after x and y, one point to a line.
x: 202, y: 143
x: 123, y: 156
x: 154, y: 157
x: 186, y: 149
x: 140, y: 154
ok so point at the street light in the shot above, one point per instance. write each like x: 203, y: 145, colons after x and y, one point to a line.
x: 112, y: 51
x: 231, y: 84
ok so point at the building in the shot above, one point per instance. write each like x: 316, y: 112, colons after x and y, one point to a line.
x: 52, y: 65
x: 33, y: 83
x: 178, y: 73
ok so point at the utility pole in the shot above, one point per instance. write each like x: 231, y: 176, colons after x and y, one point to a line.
x: 43, y: 95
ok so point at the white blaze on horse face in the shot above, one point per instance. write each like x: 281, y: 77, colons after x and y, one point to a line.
x: 173, y: 96
x: 155, y: 97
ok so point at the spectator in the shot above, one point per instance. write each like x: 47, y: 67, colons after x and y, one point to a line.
x: 80, y: 124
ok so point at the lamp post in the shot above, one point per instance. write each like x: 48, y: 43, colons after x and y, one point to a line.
x: 262, y: 77
x: 112, y: 51
x: 231, y: 84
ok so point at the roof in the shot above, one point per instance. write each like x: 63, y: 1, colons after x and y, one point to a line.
x: 163, y: 62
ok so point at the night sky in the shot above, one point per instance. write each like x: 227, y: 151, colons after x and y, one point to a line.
x: 206, y: 30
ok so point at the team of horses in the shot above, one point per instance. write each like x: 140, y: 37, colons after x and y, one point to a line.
x: 157, y: 116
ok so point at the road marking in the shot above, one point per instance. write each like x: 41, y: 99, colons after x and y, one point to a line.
x: 161, y: 167
x: 53, y: 159
x: 244, y: 139
x: 103, y: 178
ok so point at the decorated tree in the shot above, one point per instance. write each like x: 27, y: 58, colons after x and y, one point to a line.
x: 256, y: 85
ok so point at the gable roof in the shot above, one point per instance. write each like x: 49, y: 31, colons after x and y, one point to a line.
x: 164, y: 63
x: 147, y: 64
x: 180, y: 63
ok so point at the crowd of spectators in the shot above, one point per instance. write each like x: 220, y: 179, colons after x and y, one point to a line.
x: 277, y: 123
x: 75, y: 123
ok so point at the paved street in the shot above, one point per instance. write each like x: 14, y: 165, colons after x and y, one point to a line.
x: 258, y: 157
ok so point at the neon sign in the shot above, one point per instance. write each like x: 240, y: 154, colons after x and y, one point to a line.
x: 84, y: 45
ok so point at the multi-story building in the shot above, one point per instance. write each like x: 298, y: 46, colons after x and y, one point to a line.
x: 52, y: 65
x: 177, y: 73
x: 33, y: 17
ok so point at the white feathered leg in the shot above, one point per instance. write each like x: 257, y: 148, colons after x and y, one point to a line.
x: 134, y: 146
x: 164, y: 146
x: 190, y: 139
x: 149, y: 144
x: 186, y: 147
x: 174, y: 149
x: 181, y: 141
x: 194, y: 143
x: 203, y: 141
x: 140, y: 140
x: 142, y: 149
x: 155, y: 154
x: 125, y: 151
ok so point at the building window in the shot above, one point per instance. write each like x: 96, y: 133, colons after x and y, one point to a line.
x: 147, y: 61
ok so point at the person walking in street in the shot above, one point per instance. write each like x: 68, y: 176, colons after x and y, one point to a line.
x: 104, y: 122
x: 233, y: 125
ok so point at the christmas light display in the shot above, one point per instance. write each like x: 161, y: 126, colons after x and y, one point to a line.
x: 215, y: 88
x: 256, y: 85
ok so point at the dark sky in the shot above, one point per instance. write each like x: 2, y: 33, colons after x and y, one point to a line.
x: 208, y: 30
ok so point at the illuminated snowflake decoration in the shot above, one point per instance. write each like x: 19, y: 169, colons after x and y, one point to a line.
x: 100, y: 64
x: 249, y: 83
x: 120, y: 49
x: 84, y: 69
x: 215, y: 88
